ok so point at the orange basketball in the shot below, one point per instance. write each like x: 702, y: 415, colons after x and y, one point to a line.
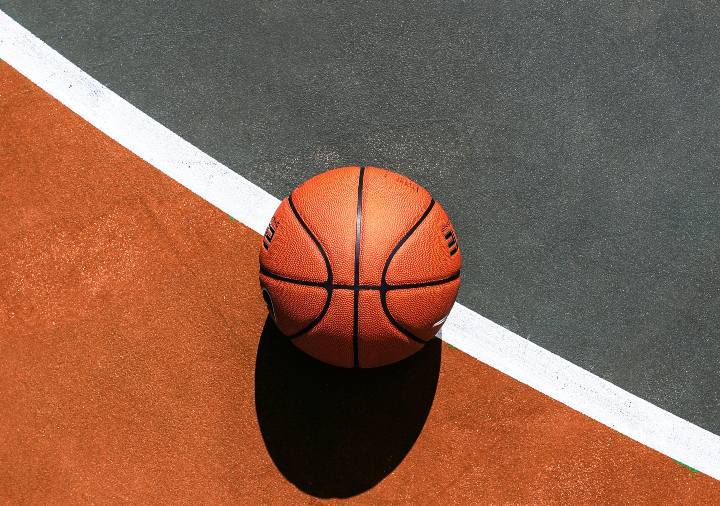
x: 359, y: 267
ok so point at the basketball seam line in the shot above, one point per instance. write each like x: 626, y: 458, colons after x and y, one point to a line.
x: 407, y: 286
x: 383, y: 293
x: 328, y: 284
x: 340, y: 286
x: 356, y: 284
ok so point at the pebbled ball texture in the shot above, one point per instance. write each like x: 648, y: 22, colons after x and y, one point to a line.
x: 359, y: 267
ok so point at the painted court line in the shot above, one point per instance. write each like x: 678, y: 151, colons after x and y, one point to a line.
x: 238, y: 197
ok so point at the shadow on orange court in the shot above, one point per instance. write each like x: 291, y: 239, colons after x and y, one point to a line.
x: 336, y: 432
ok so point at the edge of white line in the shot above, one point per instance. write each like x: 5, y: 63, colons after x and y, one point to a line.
x: 464, y: 329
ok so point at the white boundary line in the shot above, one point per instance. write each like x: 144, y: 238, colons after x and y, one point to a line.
x: 464, y: 329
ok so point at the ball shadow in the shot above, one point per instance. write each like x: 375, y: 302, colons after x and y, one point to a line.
x: 336, y: 432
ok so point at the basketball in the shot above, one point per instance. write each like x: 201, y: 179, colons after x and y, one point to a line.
x: 359, y: 267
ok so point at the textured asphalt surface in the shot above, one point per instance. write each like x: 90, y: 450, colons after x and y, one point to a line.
x: 574, y: 145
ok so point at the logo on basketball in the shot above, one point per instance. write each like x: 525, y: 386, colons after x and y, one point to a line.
x: 269, y: 234
x: 451, y: 240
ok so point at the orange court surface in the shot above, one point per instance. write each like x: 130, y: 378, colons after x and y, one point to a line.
x: 137, y: 364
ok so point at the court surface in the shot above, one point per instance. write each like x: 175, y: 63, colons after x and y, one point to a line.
x: 574, y: 149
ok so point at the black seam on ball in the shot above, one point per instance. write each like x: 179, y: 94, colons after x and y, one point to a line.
x: 340, y: 286
x: 304, y: 282
x: 328, y: 283
x: 406, y: 286
x: 356, y: 284
x: 384, y: 287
